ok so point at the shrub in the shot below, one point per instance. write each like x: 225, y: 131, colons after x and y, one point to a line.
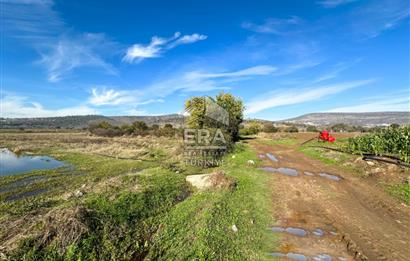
x: 292, y: 129
x: 311, y: 129
x: 269, y: 128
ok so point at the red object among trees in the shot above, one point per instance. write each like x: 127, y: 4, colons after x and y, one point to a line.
x: 325, y: 136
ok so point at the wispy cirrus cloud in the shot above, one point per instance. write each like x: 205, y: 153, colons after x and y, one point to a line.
x: 30, y: 19
x: 158, y: 46
x: 250, y: 71
x: 192, y: 81
x: 112, y: 97
x: 274, y: 25
x: 381, y: 103
x: 335, y: 71
x: 14, y: 106
x: 62, y: 50
x: 295, y: 96
x: 70, y: 53
x: 374, y: 17
x: 334, y: 3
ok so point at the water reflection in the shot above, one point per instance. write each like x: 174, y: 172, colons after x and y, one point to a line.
x: 11, y: 164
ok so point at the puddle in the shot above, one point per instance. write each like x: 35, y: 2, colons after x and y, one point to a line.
x: 11, y: 164
x: 318, y: 232
x: 290, y: 230
x: 268, y: 169
x: 322, y: 257
x: 307, y: 173
x: 329, y: 176
x: 291, y: 256
x: 271, y: 157
x: 278, y: 229
x: 21, y: 183
x: 285, y: 171
x: 288, y: 171
x: 25, y: 194
x: 333, y: 233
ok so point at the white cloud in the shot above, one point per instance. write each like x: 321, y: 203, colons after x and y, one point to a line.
x: 379, y: 104
x: 375, y: 17
x: 69, y: 54
x: 336, y: 70
x: 39, y: 26
x: 158, y: 45
x: 334, y: 3
x: 20, y: 107
x: 102, y: 96
x: 295, y: 96
x: 251, y: 71
x: 188, y: 39
x: 200, y: 81
x: 30, y: 19
x: 273, y: 25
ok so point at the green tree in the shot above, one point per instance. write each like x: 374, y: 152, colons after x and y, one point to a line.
x: 197, y: 119
x: 196, y: 108
x: 234, y: 106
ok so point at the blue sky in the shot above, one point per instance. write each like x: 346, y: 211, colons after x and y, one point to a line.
x: 283, y: 58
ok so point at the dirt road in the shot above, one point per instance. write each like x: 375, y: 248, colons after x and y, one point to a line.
x: 324, y: 213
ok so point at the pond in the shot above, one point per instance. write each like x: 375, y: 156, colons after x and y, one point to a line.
x: 12, y: 164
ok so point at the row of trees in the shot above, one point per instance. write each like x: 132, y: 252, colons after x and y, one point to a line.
x: 106, y: 129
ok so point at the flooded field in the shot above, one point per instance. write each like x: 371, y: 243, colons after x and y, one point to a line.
x: 13, y: 164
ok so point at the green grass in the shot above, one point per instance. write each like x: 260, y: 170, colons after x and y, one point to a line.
x: 162, y: 220
x: 281, y: 141
x: 119, y: 223
x: 201, y: 226
x: 400, y: 191
x: 81, y: 168
x: 338, y: 159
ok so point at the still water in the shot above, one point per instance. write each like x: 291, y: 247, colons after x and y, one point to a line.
x: 12, y: 164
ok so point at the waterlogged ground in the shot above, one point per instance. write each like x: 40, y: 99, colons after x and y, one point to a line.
x: 13, y: 164
x: 127, y: 199
x: 325, y: 209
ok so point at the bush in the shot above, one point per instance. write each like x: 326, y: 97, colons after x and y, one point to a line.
x: 269, y: 128
x: 292, y: 129
x: 112, y: 132
x: 140, y: 127
x: 311, y: 129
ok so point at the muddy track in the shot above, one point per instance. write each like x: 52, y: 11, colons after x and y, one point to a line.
x: 356, y: 221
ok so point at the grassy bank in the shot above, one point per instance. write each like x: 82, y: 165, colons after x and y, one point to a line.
x: 133, y: 209
x: 204, y: 221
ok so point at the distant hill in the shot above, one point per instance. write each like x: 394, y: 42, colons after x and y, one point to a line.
x: 79, y: 122
x: 366, y: 119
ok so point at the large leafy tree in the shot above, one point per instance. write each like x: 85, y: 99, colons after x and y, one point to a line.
x: 196, y: 107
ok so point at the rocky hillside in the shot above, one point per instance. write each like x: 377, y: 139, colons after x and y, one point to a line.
x: 366, y: 119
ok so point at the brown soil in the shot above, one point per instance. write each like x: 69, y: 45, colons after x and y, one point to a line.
x: 370, y: 225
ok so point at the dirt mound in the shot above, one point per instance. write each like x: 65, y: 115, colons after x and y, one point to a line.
x: 217, y: 180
